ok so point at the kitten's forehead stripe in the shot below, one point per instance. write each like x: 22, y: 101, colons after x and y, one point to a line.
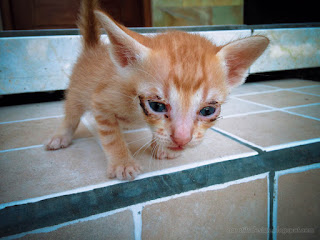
x: 188, y: 62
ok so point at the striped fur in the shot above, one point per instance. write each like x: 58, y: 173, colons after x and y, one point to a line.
x: 184, y: 72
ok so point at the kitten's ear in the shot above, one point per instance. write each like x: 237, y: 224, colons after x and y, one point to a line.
x: 239, y: 55
x: 125, y: 50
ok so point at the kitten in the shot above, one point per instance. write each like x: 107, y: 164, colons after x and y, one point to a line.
x: 174, y: 82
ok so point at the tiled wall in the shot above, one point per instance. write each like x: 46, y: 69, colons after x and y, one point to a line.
x: 45, y: 62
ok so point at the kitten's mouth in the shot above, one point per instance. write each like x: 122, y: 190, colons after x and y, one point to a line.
x: 176, y: 148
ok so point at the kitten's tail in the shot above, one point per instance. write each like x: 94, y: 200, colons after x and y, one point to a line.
x: 88, y: 24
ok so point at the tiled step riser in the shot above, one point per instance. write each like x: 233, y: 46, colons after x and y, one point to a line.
x: 234, y: 210
x: 71, y: 207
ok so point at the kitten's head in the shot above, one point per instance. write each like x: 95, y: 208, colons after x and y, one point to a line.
x: 182, y: 79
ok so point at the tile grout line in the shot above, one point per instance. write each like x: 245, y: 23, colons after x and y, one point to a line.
x: 270, y: 204
x: 255, y: 93
x: 300, y: 92
x: 247, y: 114
x: 300, y: 106
x: 303, y: 87
x: 266, y: 85
x: 283, y: 88
x: 21, y: 148
x: 259, y: 104
x: 298, y: 169
x: 37, y: 146
x: 299, y: 114
x: 137, y: 220
x: 240, y: 140
x: 275, y: 207
x: 273, y: 91
x: 31, y: 119
x: 276, y: 108
x: 292, y: 144
x: 277, y: 89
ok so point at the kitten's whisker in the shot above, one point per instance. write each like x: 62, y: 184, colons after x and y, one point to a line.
x: 138, y: 140
x: 150, y: 143
x: 154, y: 150
x: 146, y: 144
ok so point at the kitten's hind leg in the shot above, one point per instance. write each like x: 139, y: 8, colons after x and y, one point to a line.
x: 63, y: 137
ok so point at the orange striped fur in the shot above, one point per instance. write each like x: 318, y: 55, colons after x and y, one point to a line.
x: 174, y: 82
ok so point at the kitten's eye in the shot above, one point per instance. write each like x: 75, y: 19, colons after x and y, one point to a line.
x: 207, y: 111
x: 157, y: 106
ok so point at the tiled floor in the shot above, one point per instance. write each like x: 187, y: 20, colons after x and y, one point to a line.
x: 265, y: 115
x: 285, y: 113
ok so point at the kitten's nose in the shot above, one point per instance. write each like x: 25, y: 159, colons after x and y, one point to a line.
x: 181, y: 138
x: 182, y: 131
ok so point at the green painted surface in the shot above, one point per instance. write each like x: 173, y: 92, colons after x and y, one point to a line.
x: 196, y: 12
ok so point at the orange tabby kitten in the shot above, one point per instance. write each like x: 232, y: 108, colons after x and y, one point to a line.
x: 174, y: 82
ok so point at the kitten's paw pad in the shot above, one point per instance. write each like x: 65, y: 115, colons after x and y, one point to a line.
x: 128, y: 171
x: 166, y: 155
x: 58, y: 141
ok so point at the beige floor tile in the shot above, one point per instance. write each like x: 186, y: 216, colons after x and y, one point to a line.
x: 311, y: 111
x: 298, y: 204
x: 24, y: 134
x: 290, y: 83
x: 282, y: 99
x: 36, y: 110
x: 251, y: 88
x: 273, y: 128
x: 35, y: 172
x: 117, y: 226
x: 220, y: 214
x: 235, y: 106
x: 312, y: 90
x: 214, y: 146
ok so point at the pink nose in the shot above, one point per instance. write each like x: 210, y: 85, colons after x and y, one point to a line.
x: 180, y: 139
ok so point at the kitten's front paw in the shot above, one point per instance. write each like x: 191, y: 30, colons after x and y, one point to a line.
x: 58, y: 141
x: 166, y: 154
x: 127, y: 171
